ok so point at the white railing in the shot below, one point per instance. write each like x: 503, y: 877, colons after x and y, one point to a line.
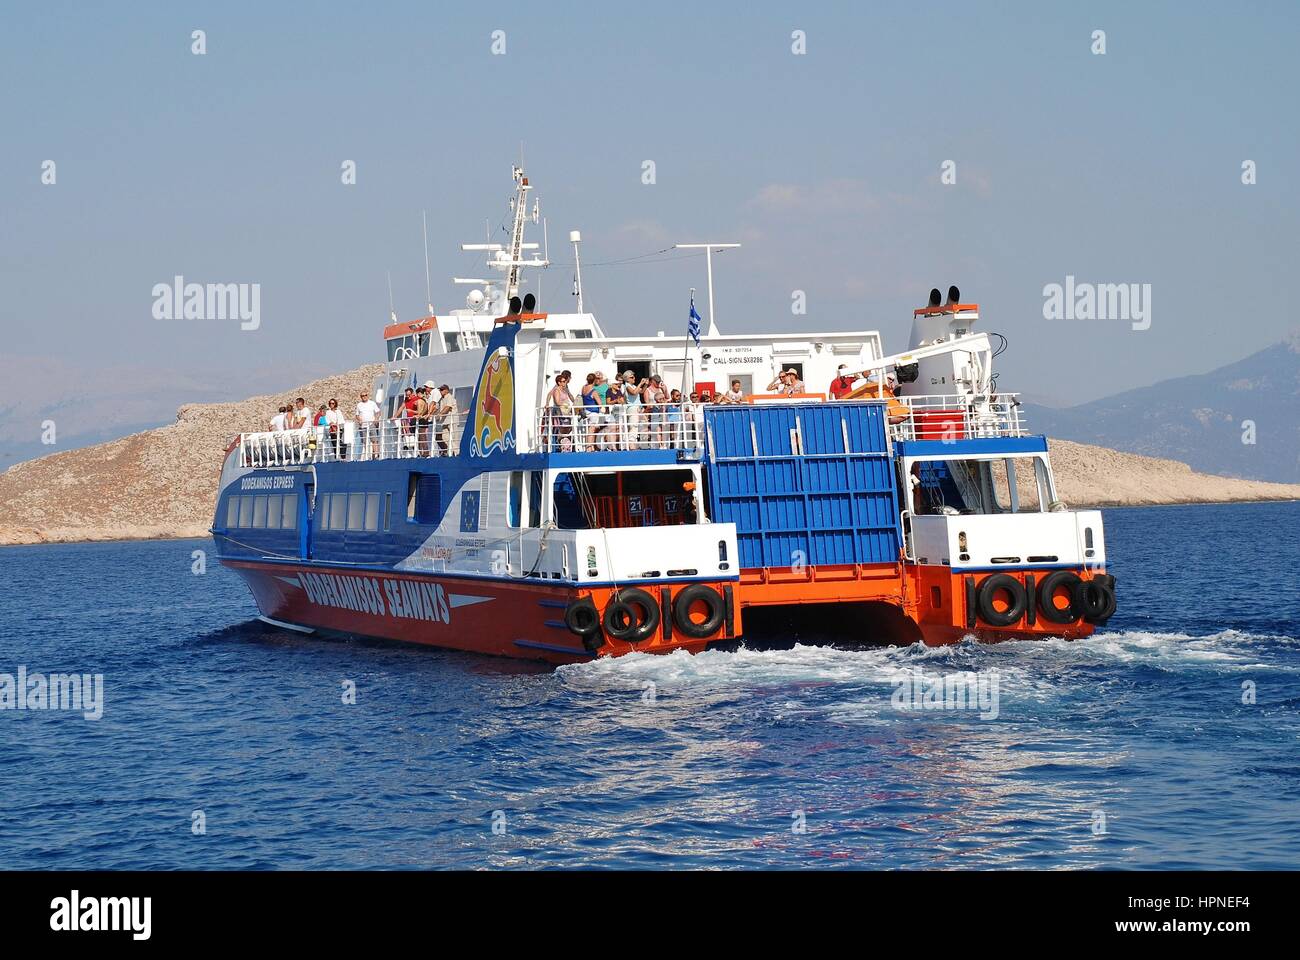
x: 382, y: 440
x: 664, y: 426
x: 954, y: 417
x: 613, y: 427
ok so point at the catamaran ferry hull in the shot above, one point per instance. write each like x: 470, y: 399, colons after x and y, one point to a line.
x: 530, y: 621
x: 483, y: 500
x: 476, y: 615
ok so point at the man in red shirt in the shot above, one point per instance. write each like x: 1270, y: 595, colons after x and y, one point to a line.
x: 843, y: 383
x: 408, y: 419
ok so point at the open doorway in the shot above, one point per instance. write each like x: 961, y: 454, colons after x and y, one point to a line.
x: 639, y: 367
x: 636, y: 498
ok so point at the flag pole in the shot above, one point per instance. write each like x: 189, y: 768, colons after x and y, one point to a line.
x: 686, y: 350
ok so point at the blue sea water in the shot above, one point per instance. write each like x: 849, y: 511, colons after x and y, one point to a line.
x: 1132, y: 749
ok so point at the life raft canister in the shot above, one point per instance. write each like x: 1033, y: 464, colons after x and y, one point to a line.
x: 1059, y: 580
x: 631, y: 616
x: 716, y: 611
x: 990, y: 588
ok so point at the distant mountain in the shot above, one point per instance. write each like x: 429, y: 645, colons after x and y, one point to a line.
x: 159, y: 483
x: 92, y: 404
x: 1200, y: 420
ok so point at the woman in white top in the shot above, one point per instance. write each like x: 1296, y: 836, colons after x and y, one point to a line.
x: 334, y: 429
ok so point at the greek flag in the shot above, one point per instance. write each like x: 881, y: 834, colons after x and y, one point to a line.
x: 693, y: 324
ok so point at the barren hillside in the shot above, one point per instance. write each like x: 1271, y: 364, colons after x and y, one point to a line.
x: 159, y: 483
x: 162, y: 483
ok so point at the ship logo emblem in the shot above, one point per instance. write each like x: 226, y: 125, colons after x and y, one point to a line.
x: 494, y: 417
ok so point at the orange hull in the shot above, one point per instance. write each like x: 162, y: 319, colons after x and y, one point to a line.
x: 933, y: 599
x: 528, y: 618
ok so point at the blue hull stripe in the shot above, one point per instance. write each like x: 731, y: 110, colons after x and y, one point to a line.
x: 534, y: 645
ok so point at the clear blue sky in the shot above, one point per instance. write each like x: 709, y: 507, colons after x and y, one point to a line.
x: 225, y: 168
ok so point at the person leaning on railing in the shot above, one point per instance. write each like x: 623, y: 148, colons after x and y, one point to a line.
x: 787, y: 382
x: 367, y: 441
x: 634, y: 416
x: 445, y: 412
x: 611, y: 433
x: 424, y: 408
x: 674, y: 419
x: 563, y: 413
x: 591, y: 409
x: 655, y: 398
x: 334, y: 429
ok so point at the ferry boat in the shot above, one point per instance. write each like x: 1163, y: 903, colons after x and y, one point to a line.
x: 909, y: 504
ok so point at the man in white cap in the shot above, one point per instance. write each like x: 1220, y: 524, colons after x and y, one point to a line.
x: 424, y: 417
x: 445, y: 410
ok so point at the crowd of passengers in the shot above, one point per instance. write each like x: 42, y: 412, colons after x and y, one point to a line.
x: 628, y: 413
x: 643, y: 413
x: 424, y: 427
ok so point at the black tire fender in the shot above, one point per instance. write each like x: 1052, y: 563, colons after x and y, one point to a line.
x: 989, y: 589
x: 632, y: 615
x: 1095, y: 599
x: 582, y: 617
x: 698, y: 593
x: 1047, y: 591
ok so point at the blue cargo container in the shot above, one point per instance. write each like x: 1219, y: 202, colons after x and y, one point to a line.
x: 804, y: 483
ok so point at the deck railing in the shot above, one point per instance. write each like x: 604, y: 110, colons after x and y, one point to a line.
x: 953, y: 417
x: 621, y: 427
x: 616, y: 427
x: 381, y: 440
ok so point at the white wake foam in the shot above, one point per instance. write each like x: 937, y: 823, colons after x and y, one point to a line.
x: 1030, y: 667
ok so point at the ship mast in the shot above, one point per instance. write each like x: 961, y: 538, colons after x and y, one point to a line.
x: 510, y: 259
x: 515, y: 253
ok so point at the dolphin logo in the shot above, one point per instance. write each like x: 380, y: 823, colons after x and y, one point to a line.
x: 494, y: 417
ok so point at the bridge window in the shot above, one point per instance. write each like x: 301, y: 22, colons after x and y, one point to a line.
x: 245, y: 511
x: 399, y: 348
x: 289, y: 514
x: 1008, y: 485
x: 232, y: 512
x: 273, y: 509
